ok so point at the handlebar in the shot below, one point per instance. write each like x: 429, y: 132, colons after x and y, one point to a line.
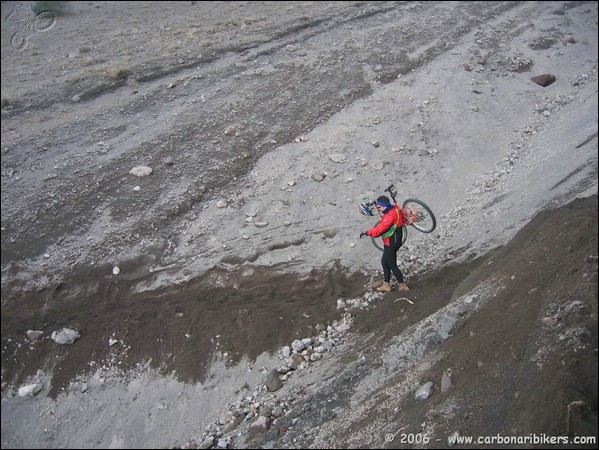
x: 392, y: 191
x: 365, y: 207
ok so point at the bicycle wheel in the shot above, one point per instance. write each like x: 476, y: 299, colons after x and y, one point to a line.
x: 378, y: 243
x: 419, y: 215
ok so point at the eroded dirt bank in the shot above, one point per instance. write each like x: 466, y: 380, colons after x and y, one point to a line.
x: 264, y: 129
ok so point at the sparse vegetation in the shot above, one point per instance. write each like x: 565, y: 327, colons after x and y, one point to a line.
x: 117, y: 73
x: 5, y: 100
x: 91, y: 60
x: 58, y: 8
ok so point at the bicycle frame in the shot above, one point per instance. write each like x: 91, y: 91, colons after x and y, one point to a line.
x: 409, y: 216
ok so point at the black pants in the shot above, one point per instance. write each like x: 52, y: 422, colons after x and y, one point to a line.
x: 389, y: 263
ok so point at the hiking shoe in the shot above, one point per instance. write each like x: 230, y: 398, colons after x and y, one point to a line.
x: 384, y: 288
x: 403, y: 287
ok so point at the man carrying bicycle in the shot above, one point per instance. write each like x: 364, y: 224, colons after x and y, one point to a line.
x: 390, y: 229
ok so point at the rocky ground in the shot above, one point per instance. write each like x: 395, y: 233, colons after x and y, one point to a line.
x: 194, y: 286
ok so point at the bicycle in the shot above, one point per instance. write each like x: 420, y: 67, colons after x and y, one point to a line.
x: 415, y: 213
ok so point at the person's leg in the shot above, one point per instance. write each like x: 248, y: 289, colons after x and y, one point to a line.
x: 386, y: 287
x: 390, y: 255
x: 395, y: 269
x: 386, y: 268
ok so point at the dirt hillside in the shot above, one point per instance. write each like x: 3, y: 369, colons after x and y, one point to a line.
x: 180, y: 187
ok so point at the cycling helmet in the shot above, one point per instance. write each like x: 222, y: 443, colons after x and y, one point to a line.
x: 365, y: 209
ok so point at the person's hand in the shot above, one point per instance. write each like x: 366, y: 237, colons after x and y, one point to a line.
x: 363, y: 233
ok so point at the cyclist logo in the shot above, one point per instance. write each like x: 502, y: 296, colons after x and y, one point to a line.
x: 27, y: 24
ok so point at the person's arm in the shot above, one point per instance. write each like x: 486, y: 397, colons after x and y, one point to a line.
x: 384, y: 225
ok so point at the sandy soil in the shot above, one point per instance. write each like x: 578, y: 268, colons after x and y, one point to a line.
x: 265, y: 125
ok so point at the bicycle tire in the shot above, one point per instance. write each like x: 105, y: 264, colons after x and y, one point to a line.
x: 426, y: 221
x: 379, y: 243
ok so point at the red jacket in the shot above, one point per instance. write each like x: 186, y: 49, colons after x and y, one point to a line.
x: 390, y: 222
